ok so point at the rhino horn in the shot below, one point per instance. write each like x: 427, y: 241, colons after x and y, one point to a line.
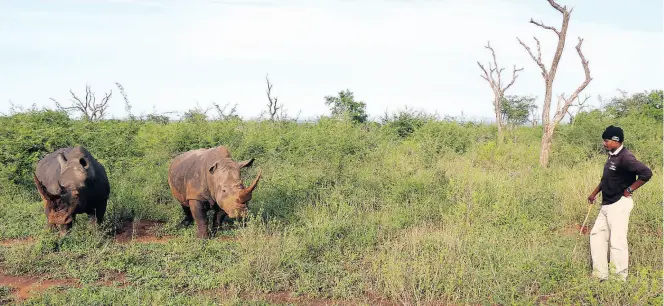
x: 40, y: 187
x: 245, y: 195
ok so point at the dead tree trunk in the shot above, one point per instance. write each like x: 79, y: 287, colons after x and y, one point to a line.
x: 496, y: 84
x: 550, y: 74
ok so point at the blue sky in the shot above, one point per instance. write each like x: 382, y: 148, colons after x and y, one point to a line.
x: 169, y: 55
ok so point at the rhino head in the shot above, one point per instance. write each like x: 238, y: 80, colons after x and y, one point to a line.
x: 75, y: 172
x: 228, y: 190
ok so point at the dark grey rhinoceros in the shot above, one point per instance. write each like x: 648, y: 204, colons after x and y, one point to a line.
x: 207, y: 179
x: 71, y: 181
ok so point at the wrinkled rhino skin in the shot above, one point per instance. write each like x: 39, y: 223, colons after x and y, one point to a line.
x: 205, y: 179
x: 71, y: 181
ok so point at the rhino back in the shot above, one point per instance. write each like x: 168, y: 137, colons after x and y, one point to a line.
x: 187, y: 173
x: 48, y: 170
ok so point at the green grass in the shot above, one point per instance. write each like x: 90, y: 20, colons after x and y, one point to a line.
x: 342, y: 212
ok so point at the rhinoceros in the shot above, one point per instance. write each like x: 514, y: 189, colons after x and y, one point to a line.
x: 71, y: 181
x: 209, y: 178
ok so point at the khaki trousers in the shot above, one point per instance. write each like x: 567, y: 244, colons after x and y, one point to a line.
x: 611, y: 228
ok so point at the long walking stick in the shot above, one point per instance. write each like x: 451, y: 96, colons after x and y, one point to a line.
x: 581, y: 229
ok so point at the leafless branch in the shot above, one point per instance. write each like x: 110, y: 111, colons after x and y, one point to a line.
x: 559, y: 116
x: 544, y: 26
x: 538, y: 59
x: 89, y: 108
x: 514, y: 76
x: 562, y: 9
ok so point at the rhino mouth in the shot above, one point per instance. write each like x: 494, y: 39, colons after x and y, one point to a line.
x: 62, y: 216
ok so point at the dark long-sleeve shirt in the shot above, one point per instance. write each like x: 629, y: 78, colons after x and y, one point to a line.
x: 620, y: 171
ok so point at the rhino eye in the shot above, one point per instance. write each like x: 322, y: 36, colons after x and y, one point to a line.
x: 83, y: 162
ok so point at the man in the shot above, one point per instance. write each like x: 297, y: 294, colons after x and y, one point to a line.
x: 617, y: 185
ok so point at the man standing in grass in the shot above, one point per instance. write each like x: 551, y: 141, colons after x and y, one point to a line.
x: 617, y: 185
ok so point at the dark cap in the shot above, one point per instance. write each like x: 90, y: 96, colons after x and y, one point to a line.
x: 613, y: 133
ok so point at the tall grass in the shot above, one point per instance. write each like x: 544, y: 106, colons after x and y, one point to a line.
x: 439, y: 214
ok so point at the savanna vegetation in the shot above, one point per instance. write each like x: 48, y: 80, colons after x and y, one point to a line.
x: 413, y: 209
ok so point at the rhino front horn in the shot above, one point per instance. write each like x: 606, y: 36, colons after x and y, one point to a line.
x: 245, y: 195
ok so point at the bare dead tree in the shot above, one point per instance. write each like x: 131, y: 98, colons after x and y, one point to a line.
x: 273, y: 103
x: 496, y: 83
x: 550, y: 74
x: 580, y: 105
x: 90, y: 108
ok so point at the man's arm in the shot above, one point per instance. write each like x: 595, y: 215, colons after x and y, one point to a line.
x: 642, y: 171
x: 593, y: 195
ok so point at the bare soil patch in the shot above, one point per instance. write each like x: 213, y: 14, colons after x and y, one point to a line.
x: 574, y: 230
x: 27, y: 285
x: 141, y: 231
x: 17, y: 241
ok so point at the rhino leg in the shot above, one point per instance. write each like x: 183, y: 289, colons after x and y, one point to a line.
x: 188, y: 218
x: 92, y: 218
x: 47, y: 211
x: 65, y: 228
x: 200, y: 218
x: 101, y: 211
x: 219, y: 216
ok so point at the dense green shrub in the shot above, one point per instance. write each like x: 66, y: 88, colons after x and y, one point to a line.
x: 414, y: 209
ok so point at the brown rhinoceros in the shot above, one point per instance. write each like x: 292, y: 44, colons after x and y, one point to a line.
x: 207, y: 179
x: 71, y: 181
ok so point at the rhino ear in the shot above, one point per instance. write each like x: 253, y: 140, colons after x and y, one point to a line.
x: 62, y: 160
x: 246, y: 163
x: 213, y: 168
x: 83, y: 163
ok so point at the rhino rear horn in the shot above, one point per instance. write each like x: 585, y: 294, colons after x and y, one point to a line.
x: 246, y: 163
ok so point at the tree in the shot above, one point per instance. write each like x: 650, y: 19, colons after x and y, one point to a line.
x: 274, y: 110
x: 550, y: 74
x: 517, y: 110
x: 345, y: 105
x: 648, y: 104
x: 496, y: 84
x: 90, y: 108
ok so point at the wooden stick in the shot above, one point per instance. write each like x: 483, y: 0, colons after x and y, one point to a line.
x: 581, y: 230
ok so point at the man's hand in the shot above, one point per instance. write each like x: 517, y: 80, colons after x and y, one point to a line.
x: 591, y: 198
x: 627, y: 194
